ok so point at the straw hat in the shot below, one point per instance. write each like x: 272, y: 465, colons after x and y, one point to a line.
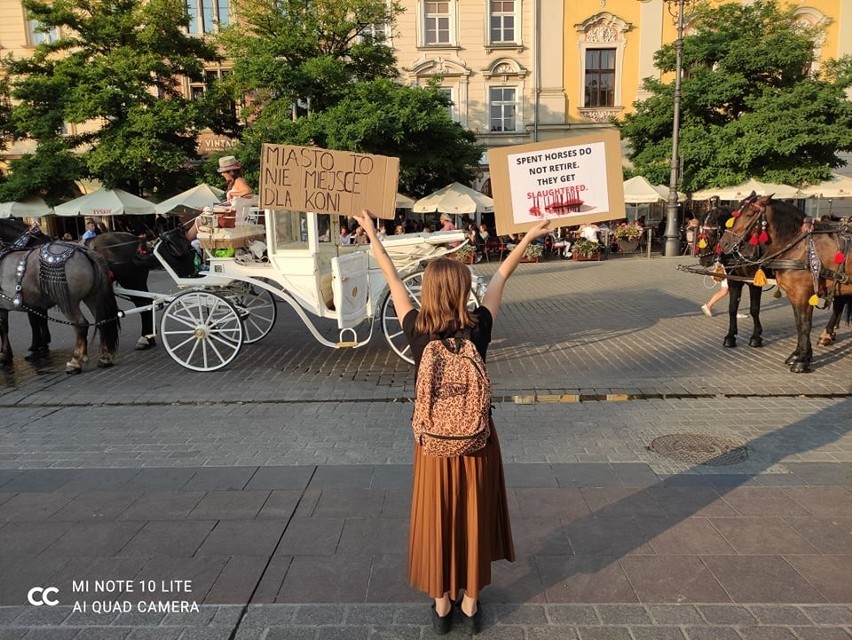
x: 228, y: 163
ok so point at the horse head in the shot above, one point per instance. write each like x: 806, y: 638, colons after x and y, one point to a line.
x: 746, y: 229
x: 709, y: 232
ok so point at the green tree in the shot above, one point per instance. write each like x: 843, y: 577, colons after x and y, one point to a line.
x: 115, y: 73
x: 752, y: 105
x: 384, y: 117
x: 320, y: 73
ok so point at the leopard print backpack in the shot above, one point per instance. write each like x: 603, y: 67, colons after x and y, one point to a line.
x: 452, y: 406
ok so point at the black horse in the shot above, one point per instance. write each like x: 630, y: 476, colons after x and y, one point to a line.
x: 741, y: 275
x: 130, y: 260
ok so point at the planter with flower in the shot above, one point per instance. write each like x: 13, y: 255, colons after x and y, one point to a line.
x: 628, y: 236
x: 465, y: 253
x: 585, y: 249
x: 532, y: 253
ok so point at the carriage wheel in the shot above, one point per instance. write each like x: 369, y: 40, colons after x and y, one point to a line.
x: 262, y: 312
x: 201, y: 331
x: 392, y: 327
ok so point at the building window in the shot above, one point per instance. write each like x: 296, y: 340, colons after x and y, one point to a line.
x: 198, y: 89
x: 501, y: 21
x: 375, y: 33
x: 436, y: 22
x: 502, y: 109
x: 207, y: 16
x: 37, y: 34
x: 600, y: 78
x: 451, y: 108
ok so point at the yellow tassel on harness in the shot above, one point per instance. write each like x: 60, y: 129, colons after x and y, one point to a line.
x: 813, y: 300
x: 729, y: 223
x: 759, y: 278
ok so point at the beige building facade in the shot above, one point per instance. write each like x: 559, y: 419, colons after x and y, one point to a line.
x: 517, y: 71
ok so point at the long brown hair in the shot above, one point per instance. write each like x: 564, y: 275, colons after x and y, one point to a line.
x: 443, y: 298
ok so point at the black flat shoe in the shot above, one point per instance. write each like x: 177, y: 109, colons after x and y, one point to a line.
x: 472, y: 623
x: 441, y: 624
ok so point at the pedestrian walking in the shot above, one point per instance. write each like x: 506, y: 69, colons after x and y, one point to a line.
x: 459, y: 513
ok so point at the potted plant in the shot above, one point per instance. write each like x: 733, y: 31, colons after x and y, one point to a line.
x: 465, y: 253
x: 627, y: 236
x: 584, y: 249
x: 532, y: 253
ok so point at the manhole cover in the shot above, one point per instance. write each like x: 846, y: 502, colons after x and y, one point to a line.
x: 714, y: 451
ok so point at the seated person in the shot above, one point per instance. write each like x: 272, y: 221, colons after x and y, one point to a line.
x: 591, y: 232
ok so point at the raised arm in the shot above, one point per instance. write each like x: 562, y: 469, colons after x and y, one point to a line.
x: 494, y: 293
x: 401, y: 301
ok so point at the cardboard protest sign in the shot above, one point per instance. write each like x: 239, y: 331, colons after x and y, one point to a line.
x: 312, y: 179
x: 570, y: 181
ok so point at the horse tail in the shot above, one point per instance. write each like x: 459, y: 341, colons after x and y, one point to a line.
x: 106, y: 306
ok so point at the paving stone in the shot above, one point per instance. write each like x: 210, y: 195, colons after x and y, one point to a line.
x: 290, y: 478
x: 767, y: 579
x: 672, y: 579
x: 220, y: 479
x: 352, y: 633
x: 95, y: 539
x: 572, y: 614
x: 657, y: 633
x: 832, y: 614
x: 161, y: 633
x: 289, y: 633
x: 33, y: 506
x: 29, y: 538
x: 180, y: 538
x: 229, y: 505
x: 101, y: 633
x: 163, y: 505
x: 822, y: 633
x: 243, y: 538
x: 377, y: 614
x: 551, y: 633
x: 766, y: 633
x: 623, y: 614
x: 828, y: 574
x: 711, y: 633
x: 524, y: 614
x: 779, y: 615
x: 604, y: 633
x: 727, y: 614
x: 52, y: 633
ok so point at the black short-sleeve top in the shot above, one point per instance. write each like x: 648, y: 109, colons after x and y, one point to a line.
x: 480, y: 335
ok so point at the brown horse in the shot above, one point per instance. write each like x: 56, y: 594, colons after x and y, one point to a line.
x: 808, y: 259
x: 40, y: 276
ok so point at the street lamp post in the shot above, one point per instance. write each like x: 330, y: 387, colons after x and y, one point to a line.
x: 672, y: 233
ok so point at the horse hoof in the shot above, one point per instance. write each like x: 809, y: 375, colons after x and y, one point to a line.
x: 800, y: 367
x: 144, y: 343
x: 791, y: 359
x: 105, y: 364
x: 730, y: 343
x: 72, y: 371
x: 756, y: 343
x: 37, y: 352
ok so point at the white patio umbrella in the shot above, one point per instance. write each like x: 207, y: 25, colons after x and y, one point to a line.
x: 31, y: 208
x: 106, y: 202
x: 191, y: 201
x: 744, y: 189
x: 403, y: 201
x: 455, y: 198
x: 637, y: 190
x: 837, y: 186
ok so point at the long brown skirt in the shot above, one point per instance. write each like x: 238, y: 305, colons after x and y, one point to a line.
x: 459, y: 521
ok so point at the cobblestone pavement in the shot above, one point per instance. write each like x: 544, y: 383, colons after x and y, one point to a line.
x: 279, y: 487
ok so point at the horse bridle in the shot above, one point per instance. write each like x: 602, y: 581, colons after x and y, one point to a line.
x: 749, y: 207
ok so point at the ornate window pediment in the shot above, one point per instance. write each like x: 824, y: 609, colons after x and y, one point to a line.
x: 603, y: 28
x: 505, y: 68
x: 439, y: 66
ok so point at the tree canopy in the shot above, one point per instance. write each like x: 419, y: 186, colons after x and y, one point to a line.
x: 116, y: 72
x: 322, y: 73
x: 754, y: 103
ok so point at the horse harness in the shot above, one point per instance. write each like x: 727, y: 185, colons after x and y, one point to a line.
x: 841, y: 231
x: 52, y: 259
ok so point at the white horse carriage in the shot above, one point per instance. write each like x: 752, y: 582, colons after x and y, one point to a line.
x: 292, y: 257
